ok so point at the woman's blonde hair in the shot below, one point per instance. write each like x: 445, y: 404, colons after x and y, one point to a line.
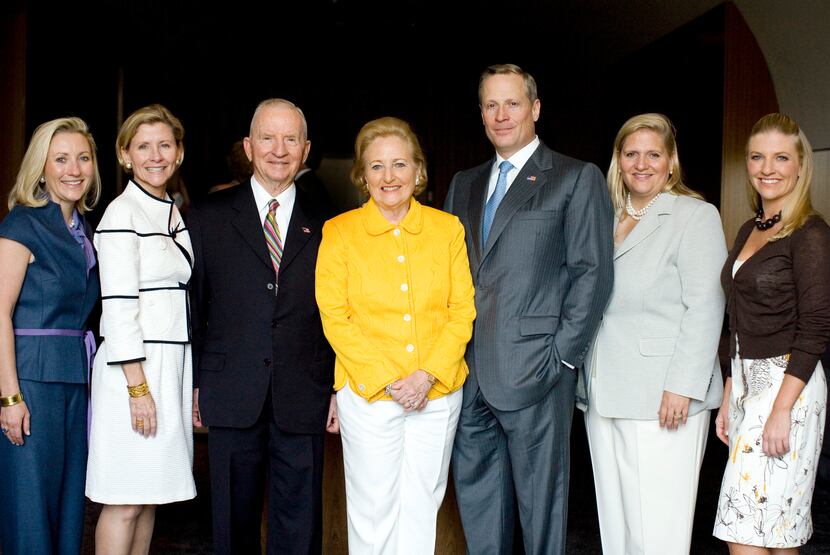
x: 798, y: 207
x: 28, y: 190
x: 387, y: 127
x: 663, y: 127
x: 154, y: 113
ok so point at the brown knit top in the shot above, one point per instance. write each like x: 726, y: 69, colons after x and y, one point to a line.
x: 779, y: 300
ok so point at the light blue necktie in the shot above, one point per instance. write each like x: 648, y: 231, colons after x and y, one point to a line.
x: 495, y: 199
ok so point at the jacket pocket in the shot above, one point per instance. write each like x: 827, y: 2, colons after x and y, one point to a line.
x: 538, y: 325
x: 155, y: 313
x: 657, y: 346
x: 213, y: 362
x: 536, y: 215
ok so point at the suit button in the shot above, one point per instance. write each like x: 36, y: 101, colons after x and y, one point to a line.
x: 270, y: 286
x: 273, y: 323
x: 267, y: 362
x: 404, y: 287
x: 361, y: 387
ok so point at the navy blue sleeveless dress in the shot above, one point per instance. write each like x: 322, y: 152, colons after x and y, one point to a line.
x: 43, y: 502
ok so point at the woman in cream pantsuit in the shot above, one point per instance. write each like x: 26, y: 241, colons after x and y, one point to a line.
x: 653, y: 373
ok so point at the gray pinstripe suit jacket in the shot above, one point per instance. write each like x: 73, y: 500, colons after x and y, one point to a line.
x: 543, y: 278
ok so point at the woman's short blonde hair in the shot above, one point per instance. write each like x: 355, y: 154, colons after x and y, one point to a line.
x: 154, y: 113
x: 28, y: 190
x: 798, y: 207
x: 387, y: 127
x: 663, y: 127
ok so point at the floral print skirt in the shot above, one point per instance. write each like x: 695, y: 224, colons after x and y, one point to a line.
x: 765, y: 501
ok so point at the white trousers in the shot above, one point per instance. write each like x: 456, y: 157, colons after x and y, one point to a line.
x: 646, y: 481
x: 396, y: 466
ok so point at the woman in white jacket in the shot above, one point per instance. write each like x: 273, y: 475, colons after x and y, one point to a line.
x: 653, y: 373
x: 141, y: 444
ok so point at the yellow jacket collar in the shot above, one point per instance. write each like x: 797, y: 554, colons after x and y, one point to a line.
x: 376, y: 224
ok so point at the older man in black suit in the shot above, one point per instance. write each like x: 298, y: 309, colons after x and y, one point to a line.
x: 263, y: 370
x: 539, y: 238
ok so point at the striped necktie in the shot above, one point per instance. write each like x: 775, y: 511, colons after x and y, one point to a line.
x: 272, y: 235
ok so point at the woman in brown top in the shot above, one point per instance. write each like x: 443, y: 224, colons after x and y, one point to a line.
x: 777, y: 284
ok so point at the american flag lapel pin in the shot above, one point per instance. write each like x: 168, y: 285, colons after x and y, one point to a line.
x: 305, y: 229
x: 531, y: 178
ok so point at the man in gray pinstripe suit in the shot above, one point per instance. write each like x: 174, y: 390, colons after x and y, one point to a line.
x: 540, y: 242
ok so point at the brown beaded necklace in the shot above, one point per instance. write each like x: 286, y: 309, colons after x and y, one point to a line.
x: 763, y: 224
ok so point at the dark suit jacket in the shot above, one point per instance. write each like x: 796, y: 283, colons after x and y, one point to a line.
x: 249, y: 334
x: 542, y: 280
x: 311, y: 184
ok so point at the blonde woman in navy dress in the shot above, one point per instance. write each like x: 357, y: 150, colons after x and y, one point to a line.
x: 141, y: 446
x: 777, y: 284
x: 48, y: 286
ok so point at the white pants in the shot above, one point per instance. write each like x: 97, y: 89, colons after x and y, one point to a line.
x: 646, y: 481
x: 396, y: 467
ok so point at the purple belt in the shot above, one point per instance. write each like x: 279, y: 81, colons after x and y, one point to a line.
x: 89, y: 338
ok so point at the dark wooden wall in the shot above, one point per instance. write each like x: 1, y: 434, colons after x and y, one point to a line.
x: 748, y: 94
x: 12, y: 95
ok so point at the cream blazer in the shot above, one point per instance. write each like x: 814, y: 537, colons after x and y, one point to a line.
x: 661, y: 328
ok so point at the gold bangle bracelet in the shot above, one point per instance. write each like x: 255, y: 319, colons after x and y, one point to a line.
x: 139, y: 390
x: 11, y: 400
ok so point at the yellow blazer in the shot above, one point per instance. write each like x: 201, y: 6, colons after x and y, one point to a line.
x: 395, y: 299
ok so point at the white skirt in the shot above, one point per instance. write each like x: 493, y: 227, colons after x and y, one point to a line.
x: 765, y: 501
x: 125, y: 468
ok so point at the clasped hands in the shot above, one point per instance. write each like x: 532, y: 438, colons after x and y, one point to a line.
x: 411, y: 392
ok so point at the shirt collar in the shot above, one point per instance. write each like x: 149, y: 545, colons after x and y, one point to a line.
x: 520, y: 158
x: 376, y: 224
x: 263, y: 197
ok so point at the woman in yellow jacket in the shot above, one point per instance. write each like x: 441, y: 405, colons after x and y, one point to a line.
x: 396, y: 298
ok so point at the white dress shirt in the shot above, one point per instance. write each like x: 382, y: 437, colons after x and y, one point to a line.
x: 518, y: 160
x: 286, y: 199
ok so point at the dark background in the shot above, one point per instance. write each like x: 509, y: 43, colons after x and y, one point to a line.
x: 345, y: 62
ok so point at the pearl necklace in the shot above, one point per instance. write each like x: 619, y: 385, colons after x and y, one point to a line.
x: 638, y: 214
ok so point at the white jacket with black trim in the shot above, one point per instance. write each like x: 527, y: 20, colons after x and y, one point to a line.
x: 145, y: 259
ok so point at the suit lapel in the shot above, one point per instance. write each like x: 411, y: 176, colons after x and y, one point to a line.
x: 300, y: 230
x: 246, y: 222
x: 529, y: 180
x: 648, y: 225
x: 475, y: 209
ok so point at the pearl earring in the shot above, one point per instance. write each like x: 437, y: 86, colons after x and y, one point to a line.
x: 42, y: 179
x: 128, y: 166
x: 417, y: 181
